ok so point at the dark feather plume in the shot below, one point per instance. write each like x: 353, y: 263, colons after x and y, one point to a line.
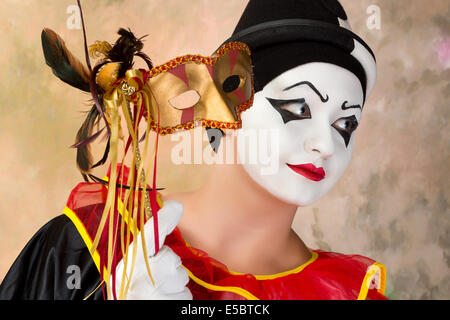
x: 63, y: 63
x: 124, y: 50
x: 70, y: 70
x: 102, y: 161
x: 83, y: 139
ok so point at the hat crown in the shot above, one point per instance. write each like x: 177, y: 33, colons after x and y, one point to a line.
x: 262, y: 11
x: 282, y: 34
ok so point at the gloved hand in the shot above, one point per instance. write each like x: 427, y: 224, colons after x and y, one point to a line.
x: 169, y: 276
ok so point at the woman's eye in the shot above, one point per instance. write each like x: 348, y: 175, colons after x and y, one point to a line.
x: 300, y: 110
x: 345, y: 127
x: 291, y: 110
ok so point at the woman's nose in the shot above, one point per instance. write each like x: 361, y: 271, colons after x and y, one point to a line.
x: 321, y: 144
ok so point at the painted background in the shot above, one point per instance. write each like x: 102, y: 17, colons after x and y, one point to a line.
x: 391, y: 204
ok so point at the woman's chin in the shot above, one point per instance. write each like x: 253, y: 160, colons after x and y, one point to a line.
x: 303, y: 198
x: 289, y: 189
x: 300, y: 200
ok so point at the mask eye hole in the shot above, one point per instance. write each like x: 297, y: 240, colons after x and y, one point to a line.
x: 185, y: 100
x: 231, y: 83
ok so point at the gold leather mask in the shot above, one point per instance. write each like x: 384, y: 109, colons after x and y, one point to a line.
x: 188, y: 91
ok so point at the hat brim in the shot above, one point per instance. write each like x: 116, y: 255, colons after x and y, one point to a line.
x: 290, y: 30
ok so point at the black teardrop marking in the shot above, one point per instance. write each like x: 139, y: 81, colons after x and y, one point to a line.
x: 215, y: 136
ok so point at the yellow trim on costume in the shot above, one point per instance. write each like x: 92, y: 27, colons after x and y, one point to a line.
x: 239, y: 291
x: 372, y: 271
x: 314, y: 256
x: 85, y: 236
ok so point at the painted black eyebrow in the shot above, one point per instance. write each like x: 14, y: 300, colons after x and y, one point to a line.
x: 344, y: 107
x: 312, y: 87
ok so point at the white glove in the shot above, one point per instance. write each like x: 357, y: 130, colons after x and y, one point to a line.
x: 169, y: 276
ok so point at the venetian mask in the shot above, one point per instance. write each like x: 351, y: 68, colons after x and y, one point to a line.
x: 190, y: 90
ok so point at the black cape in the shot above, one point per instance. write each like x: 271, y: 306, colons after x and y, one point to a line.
x: 54, y: 265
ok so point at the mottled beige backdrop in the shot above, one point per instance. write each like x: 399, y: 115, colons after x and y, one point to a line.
x: 391, y: 204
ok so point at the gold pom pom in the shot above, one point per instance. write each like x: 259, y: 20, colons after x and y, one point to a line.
x: 99, y: 49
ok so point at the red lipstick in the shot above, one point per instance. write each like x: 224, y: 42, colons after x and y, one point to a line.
x: 309, y: 171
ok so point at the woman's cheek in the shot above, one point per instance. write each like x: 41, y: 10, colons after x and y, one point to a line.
x: 340, y: 161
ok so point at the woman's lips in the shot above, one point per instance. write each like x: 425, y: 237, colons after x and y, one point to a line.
x: 309, y: 171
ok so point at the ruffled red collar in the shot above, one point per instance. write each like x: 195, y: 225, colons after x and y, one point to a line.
x: 326, y: 275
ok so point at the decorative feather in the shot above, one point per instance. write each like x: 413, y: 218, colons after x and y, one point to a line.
x: 143, y: 137
x: 102, y: 161
x: 63, y: 63
x: 83, y: 139
x: 146, y: 58
x: 88, y: 140
x: 124, y: 50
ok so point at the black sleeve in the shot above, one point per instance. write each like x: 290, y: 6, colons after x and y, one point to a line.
x: 54, y: 265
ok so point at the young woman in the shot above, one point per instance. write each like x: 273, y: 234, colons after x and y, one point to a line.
x: 310, y: 90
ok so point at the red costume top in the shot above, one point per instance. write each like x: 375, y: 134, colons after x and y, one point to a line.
x: 326, y: 275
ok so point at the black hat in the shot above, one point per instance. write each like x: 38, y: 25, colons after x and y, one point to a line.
x: 285, y: 33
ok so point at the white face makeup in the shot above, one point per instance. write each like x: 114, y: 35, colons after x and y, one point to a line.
x: 315, y: 109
